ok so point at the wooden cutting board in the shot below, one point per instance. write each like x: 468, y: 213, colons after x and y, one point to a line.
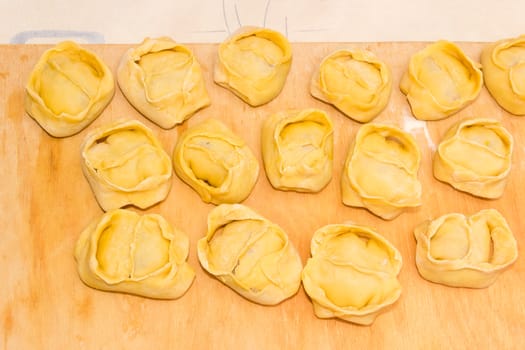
x: 46, y: 202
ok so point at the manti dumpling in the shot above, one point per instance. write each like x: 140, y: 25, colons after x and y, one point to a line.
x: 460, y: 251
x: 440, y: 81
x: 250, y: 254
x: 475, y: 156
x: 381, y: 171
x: 68, y: 88
x: 352, y: 274
x: 254, y: 63
x: 298, y: 149
x: 354, y: 81
x: 215, y: 162
x: 137, y: 254
x: 163, y: 80
x: 125, y: 164
x: 503, y: 65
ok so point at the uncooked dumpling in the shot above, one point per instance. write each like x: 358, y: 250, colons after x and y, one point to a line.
x: 352, y: 274
x: 504, y: 72
x: 215, y: 162
x: 250, y: 254
x: 163, y: 81
x: 475, y: 156
x: 461, y: 251
x: 380, y: 172
x: 297, y: 149
x: 125, y: 164
x: 354, y: 81
x: 143, y: 255
x: 440, y: 81
x: 253, y: 63
x: 68, y: 88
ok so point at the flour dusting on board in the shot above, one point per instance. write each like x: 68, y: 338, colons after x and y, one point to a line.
x: 412, y: 125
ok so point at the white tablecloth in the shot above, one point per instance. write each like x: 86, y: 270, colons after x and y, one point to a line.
x: 119, y: 21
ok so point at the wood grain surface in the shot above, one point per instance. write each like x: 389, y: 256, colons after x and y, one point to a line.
x: 46, y: 202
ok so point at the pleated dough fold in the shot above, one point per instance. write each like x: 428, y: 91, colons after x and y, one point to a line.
x: 250, y: 254
x: 354, y: 81
x: 440, y: 81
x: 352, y: 274
x: 125, y: 163
x: 381, y: 171
x: 129, y: 253
x: 254, y: 63
x: 460, y: 251
x: 297, y: 149
x: 215, y: 162
x: 163, y: 80
x: 68, y: 88
x: 475, y: 156
x: 504, y: 72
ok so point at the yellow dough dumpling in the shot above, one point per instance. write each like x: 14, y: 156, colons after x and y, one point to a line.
x: 215, y: 162
x: 298, y: 150
x: 253, y: 63
x: 460, y: 251
x: 475, y: 156
x: 354, y: 81
x: 352, y: 274
x: 250, y: 254
x: 163, y: 81
x: 129, y: 253
x: 124, y: 164
x: 68, y: 88
x: 380, y: 172
x: 440, y: 81
x: 504, y: 72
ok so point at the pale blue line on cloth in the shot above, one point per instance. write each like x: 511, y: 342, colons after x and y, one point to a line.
x: 24, y: 37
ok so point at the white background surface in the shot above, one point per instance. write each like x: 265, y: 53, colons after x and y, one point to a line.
x: 106, y: 21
